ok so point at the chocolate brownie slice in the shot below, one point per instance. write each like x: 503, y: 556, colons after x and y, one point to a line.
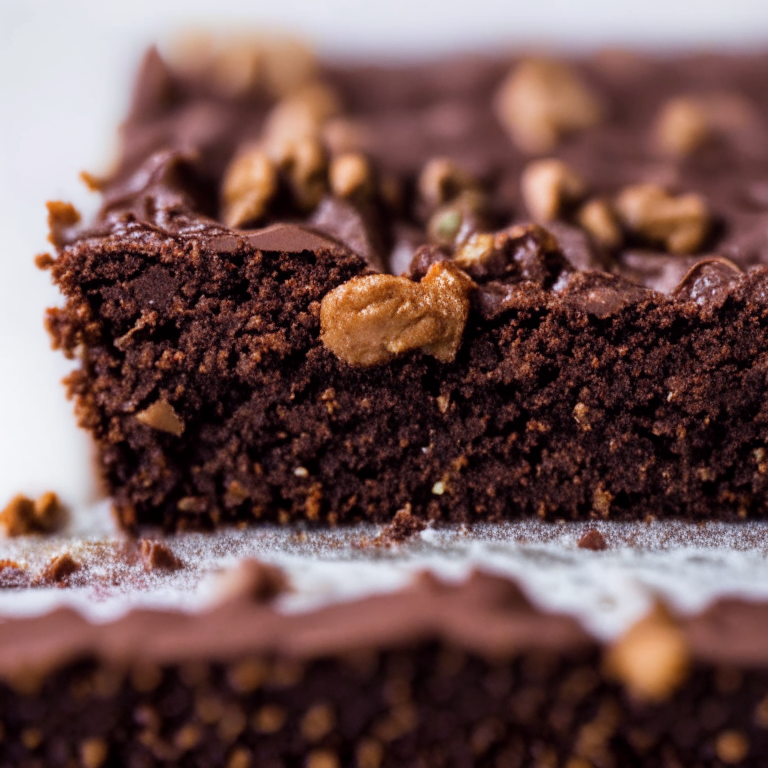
x: 320, y: 304
x: 469, y: 674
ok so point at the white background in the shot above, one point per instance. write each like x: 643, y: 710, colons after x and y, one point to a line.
x: 65, y: 68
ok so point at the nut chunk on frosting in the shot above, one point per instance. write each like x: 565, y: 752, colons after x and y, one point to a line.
x: 541, y: 101
x: 370, y: 320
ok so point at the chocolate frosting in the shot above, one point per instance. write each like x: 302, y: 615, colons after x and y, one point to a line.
x: 486, y: 614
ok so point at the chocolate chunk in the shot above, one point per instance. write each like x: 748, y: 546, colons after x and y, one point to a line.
x: 708, y: 282
x: 349, y: 225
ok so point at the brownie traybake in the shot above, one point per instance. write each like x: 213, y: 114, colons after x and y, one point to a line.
x: 437, y: 674
x: 473, y: 289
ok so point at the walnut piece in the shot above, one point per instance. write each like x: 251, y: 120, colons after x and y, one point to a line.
x: 685, y: 123
x: 250, y: 183
x: 441, y: 180
x: 304, y: 162
x: 542, y: 100
x: 548, y: 186
x: 597, y: 217
x: 652, y: 658
x: 161, y: 416
x: 371, y: 319
x: 301, y: 115
x: 239, y: 65
x: 23, y: 516
x: 681, y: 127
x: 349, y: 175
x: 680, y: 223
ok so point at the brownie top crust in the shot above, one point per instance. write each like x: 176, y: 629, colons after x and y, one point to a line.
x: 675, y: 139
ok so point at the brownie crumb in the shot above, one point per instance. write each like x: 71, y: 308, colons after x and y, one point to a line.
x: 13, y: 575
x: 58, y: 571
x: 593, y: 540
x: 157, y: 556
x: 254, y: 580
x: 44, y: 261
x: 23, y: 516
x: 404, y: 525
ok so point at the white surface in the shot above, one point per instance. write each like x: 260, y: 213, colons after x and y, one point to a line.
x: 685, y: 564
x: 65, y: 69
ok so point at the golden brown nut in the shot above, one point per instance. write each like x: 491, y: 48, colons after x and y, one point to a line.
x: 306, y: 165
x: 477, y: 250
x: 349, y: 174
x: 161, y: 416
x: 542, y: 100
x: 237, y: 65
x: 682, y: 127
x: 680, y: 223
x: 372, y: 319
x: 454, y: 222
x: 250, y: 183
x: 598, y: 218
x: 685, y: 123
x: 301, y: 115
x: 548, y: 186
x: 652, y: 658
x: 441, y: 180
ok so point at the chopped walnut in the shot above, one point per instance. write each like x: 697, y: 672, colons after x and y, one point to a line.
x: 301, y: 115
x: 370, y: 320
x: 652, y: 658
x: 441, y: 180
x: 682, y: 127
x: 454, y: 222
x: 289, y: 65
x: 597, y: 217
x: 250, y: 183
x: 548, y: 186
x: 521, y: 249
x: 304, y: 162
x: 542, y: 100
x: 343, y: 134
x: 680, y: 223
x: 349, y: 175
x: 685, y: 123
x: 23, y: 516
x: 161, y: 416
x: 239, y: 65
x: 476, y: 251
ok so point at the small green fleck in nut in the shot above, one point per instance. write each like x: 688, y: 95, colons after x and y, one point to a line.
x: 438, y: 488
x: 446, y: 225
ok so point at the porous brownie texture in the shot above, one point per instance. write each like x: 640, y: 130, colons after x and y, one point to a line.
x: 340, y: 687
x: 376, y: 331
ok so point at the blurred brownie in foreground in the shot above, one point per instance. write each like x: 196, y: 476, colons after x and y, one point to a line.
x: 436, y: 674
x: 472, y: 289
